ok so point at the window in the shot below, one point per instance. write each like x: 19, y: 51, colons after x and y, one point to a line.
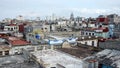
x: 6, y: 52
x: 93, y: 34
x: 45, y: 28
x: 89, y: 34
x: 16, y: 53
x: 8, y: 28
x: 11, y: 29
x: 85, y: 43
x: 92, y: 43
x: 30, y: 34
x: 53, y: 67
x: 80, y: 25
x: 86, y: 33
x: 0, y: 53
x: 82, y: 33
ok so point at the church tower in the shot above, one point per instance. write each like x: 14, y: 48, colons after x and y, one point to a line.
x: 72, y: 17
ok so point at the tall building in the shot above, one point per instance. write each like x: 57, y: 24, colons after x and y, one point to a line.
x: 72, y: 17
x: 114, y: 18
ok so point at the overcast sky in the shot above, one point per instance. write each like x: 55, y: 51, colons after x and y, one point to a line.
x: 42, y: 8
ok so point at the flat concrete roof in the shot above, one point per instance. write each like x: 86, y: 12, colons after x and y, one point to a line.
x: 56, y: 57
x: 16, y: 61
x: 11, y: 59
x: 107, y: 57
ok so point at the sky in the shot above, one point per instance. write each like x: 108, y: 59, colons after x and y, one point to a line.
x: 60, y: 8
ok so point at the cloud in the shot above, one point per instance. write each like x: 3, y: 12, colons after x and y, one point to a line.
x: 35, y: 8
x: 30, y: 14
x: 96, y: 11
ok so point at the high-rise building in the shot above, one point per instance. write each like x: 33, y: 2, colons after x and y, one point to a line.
x: 114, y: 18
x: 72, y: 16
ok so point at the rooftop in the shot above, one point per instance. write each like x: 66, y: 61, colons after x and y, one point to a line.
x: 110, y: 44
x: 16, y: 61
x: 57, y: 57
x: 15, y: 41
x: 12, y: 24
x: 78, y: 51
x: 107, y: 57
x: 19, y: 42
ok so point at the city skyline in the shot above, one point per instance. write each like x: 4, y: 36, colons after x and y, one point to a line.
x: 43, y: 8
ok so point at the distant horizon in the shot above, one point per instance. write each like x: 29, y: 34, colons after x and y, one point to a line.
x: 61, y: 8
x: 44, y: 17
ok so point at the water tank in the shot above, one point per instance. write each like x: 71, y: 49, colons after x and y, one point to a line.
x: 37, y: 36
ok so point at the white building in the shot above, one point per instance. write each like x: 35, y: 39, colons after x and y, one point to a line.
x: 11, y: 27
x: 92, y: 25
x: 62, y: 23
x: 88, y: 40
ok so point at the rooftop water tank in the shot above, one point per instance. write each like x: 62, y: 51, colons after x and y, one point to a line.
x: 37, y: 36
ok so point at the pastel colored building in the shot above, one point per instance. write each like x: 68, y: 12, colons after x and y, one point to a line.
x: 11, y: 27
